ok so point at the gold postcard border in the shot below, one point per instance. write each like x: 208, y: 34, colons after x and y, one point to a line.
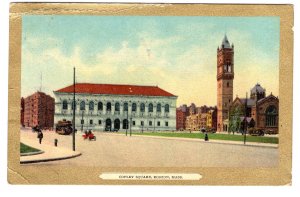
x: 39, y: 174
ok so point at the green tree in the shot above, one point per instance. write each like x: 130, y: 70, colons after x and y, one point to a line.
x: 234, y: 118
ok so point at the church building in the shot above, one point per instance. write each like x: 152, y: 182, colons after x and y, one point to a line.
x: 111, y: 107
x: 261, y: 111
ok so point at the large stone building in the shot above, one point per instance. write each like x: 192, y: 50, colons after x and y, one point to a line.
x: 117, y: 107
x: 225, y: 76
x: 38, y: 110
x: 261, y: 111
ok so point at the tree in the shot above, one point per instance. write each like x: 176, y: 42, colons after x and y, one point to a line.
x: 234, y: 118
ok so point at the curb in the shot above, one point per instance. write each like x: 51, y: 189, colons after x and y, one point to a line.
x: 50, y: 159
x: 32, y: 153
x: 216, y: 142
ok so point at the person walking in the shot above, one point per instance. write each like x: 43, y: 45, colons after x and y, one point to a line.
x: 40, y: 136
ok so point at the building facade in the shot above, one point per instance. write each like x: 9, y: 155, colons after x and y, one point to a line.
x: 180, y: 120
x: 38, y: 110
x: 225, y: 76
x: 204, y: 117
x: 22, y: 112
x: 107, y: 107
x: 261, y: 111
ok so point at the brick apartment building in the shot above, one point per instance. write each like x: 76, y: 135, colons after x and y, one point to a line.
x: 180, y: 119
x: 193, y: 117
x: 38, y: 109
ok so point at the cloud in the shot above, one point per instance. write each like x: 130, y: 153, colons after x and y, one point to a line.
x: 189, y: 72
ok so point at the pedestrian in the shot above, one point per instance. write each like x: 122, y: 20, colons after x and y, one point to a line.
x: 206, y: 136
x: 40, y: 136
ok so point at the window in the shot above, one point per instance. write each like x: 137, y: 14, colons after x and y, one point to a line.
x: 227, y: 84
x: 158, y: 107
x: 150, y: 107
x: 108, y: 106
x: 133, y: 107
x: 150, y: 123
x: 166, y: 124
x: 100, y: 106
x: 142, y: 123
x: 271, y: 116
x: 158, y: 123
x: 125, y: 107
x: 91, y: 106
x: 142, y: 107
x: 167, y: 108
x: 91, y: 121
x: 82, y: 105
x: 65, y: 105
x: 73, y: 105
x: 133, y: 123
x: 99, y: 122
x: 117, y: 107
x: 82, y: 121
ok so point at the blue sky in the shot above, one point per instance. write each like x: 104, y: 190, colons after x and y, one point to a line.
x: 176, y: 53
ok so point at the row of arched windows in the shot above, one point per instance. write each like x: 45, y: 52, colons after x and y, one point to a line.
x: 117, y: 106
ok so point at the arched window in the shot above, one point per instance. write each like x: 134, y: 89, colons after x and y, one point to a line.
x: 142, y: 107
x: 125, y: 107
x: 91, y: 106
x: 117, y: 107
x: 158, y: 107
x: 167, y: 108
x: 73, y: 105
x: 100, y: 106
x: 271, y: 116
x: 133, y: 107
x: 65, y: 105
x: 82, y: 105
x: 108, y: 106
x: 150, y: 107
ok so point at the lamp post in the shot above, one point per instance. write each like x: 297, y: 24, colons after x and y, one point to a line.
x: 154, y: 124
x: 73, y: 136
x: 82, y: 121
x: 130, y: 126
x: 245, y: 120
x: 126, y: 122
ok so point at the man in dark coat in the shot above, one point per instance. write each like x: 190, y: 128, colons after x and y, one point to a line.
x: 40, y: 136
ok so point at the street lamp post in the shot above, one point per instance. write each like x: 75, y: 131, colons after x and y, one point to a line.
x: 126, y: 122
x: 82, y: 121
x: 73, y: 136
x: 245, y: 120
x: 154, y: 124
x: 130, y: 126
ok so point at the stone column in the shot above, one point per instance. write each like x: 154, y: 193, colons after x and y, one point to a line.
x: 104, y: 108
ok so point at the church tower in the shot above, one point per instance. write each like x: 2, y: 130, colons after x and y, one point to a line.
x: 225, y: 75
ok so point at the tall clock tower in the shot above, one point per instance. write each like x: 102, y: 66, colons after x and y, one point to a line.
x: 225, y: 75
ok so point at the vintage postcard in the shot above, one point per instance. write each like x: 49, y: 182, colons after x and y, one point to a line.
x: 173, y: 94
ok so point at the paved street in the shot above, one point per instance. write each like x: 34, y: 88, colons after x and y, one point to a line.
x: 117, y: 150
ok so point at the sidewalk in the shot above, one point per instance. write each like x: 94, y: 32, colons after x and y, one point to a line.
x: 50, y: 152
x: 241, y: 143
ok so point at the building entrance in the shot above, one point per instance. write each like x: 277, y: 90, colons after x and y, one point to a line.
x: 108, y: 125
x: 117, y: 124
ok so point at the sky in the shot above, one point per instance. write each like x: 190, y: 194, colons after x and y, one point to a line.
x: 176, y: 53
